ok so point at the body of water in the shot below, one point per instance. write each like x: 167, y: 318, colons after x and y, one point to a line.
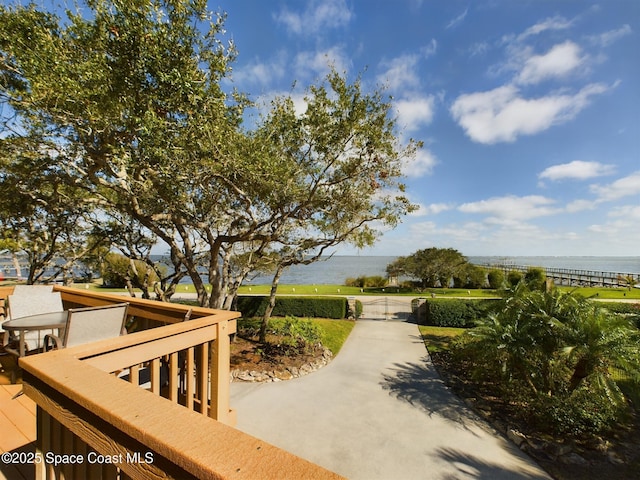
x: 337, y: 269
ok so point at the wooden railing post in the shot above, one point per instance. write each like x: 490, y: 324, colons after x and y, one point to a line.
x: 220, y: 369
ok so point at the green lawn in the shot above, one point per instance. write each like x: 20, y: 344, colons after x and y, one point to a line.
x: 606, y: 293
x: 336, y: 332
x: 438, y: 339
x: 596, y: 292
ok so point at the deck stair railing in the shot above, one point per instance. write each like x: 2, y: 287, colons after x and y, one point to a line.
x: 95, y: 421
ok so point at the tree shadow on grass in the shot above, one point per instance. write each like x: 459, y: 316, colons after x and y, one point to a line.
x: 420, y: 385
x: 470, y: 466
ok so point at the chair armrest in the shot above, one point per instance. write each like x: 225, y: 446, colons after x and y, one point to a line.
x: 51, y: 342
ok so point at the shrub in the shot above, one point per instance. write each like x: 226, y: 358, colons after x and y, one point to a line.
x: 535, y: 278
x: 556, y: 352
x: 320, y: 307
x: 587, y: 411
x: 295, y: 331
x: 513, y: 278
x: 628, y: 310
x: 496, y: 279
x: 375, y: 281
x: 456, y: 313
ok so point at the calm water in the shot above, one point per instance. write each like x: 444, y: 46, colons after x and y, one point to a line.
x: 338, y: 268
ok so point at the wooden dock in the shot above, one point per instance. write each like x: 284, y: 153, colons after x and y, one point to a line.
x: 576, y: 278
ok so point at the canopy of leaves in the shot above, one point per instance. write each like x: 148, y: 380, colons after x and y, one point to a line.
x: 433, y: 266
x: 129, y: 96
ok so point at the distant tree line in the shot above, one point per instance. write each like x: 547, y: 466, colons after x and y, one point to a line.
x: 447, y: 267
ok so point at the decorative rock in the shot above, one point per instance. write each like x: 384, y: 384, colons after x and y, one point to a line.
x: 286, y: 374
x: 573, y: 459
x: 614, y: 459
x: 516, y: 437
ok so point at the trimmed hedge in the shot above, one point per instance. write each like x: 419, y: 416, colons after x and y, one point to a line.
x: 456, y: 312
x: 315, y: 307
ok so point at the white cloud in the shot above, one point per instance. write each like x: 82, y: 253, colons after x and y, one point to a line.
x: 459, y: 19
x: 511, y: 209
x: 414, y: 113
x: 623, y: 187
x: 422, y: 164
x: 560, y: 61
x: 319, y: 15
x: 607, y: 38
x: 502, y: 114
x: 430, y: 49
x: 401, y: 72
x: 264, y: 73
x: 629, y: 212
x: 578, y: 170
x: 580, y: 205
x: 310, y: 64
x: 553, y: 23
x: 432, y: 209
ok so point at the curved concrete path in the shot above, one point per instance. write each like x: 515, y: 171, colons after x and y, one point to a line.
x: 379, y: 411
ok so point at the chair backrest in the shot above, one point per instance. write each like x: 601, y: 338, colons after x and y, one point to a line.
x: 33, y: 299
x: 91, y: 324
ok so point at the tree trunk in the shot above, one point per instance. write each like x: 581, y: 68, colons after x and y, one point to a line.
x: 16, y: 265
x: 580, y: 371
x: 272, y: 303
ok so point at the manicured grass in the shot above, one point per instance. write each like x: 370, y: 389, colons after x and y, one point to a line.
x: 335, y: 332
x: 438, y: 339
x: 606, y: 293
x: 595, y: 292
x: 320, y: 290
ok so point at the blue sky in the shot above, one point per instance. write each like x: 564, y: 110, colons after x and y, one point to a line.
x: 529, y: 110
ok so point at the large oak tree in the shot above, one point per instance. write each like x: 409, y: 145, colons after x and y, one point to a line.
x: 130, y: 93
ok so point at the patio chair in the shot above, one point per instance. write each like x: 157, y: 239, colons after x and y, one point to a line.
x: 29, y: 300
x: 91, y: 324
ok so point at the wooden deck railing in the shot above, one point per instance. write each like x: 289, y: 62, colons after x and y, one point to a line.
x: 94, y: 424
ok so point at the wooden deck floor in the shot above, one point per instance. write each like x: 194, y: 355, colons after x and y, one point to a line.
x: 17, y: 430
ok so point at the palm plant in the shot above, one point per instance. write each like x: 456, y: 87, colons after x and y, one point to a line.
x: 557, y: 348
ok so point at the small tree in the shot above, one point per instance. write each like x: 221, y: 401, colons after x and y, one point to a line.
x: 433, y: 266
x: 495, y: 278
x: 535, y: 278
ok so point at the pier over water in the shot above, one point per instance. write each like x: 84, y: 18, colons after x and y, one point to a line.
x: 573, y: 277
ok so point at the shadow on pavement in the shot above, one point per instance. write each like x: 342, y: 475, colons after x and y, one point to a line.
x: 419, y: 385
x: 473, y: 467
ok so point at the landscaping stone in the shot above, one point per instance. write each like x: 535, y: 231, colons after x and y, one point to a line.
x: 279, y: 375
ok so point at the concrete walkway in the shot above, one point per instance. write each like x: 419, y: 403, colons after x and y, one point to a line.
x: 379, y: 411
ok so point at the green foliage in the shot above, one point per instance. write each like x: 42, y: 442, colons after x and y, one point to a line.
x: 320, y: 307
x: 535, y: 278
x: 470, y: 276
x: 293, y: 331
x: 496, y: 279
x: 375, y: 281
x: 585, y: 412
x: 456, y: 313
x: 116, y: 270
x: 513, y: 278
x: 555, y: 349
x: 132, y: 97
x: 433, y: 266
x: 629, y: 310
